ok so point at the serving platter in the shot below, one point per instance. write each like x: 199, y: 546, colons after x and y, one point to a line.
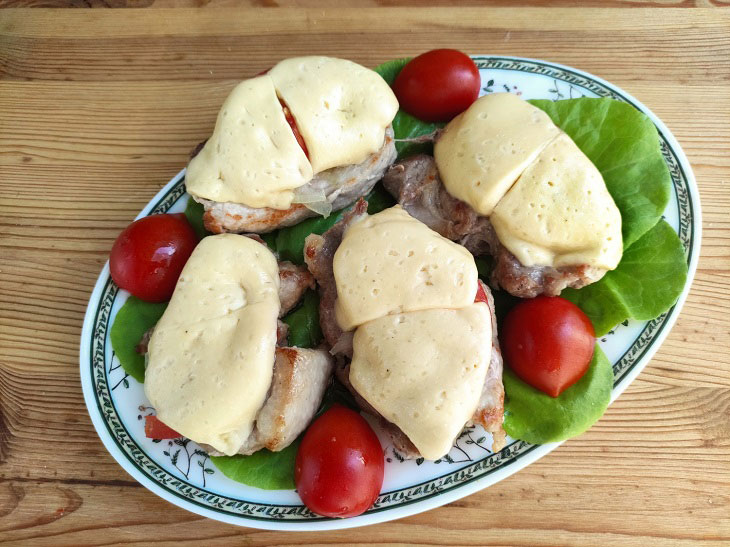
x: 181, y: 473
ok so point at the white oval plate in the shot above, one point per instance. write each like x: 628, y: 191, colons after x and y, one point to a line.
x: 185, y: 477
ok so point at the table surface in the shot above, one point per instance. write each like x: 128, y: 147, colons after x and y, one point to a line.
x: 100, y: 108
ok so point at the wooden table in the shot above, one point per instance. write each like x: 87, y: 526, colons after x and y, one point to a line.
x: 98, y: 109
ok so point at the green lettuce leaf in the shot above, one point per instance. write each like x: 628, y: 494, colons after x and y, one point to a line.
x: 289, y: 242
x: 647, y: 282
x: 194, y: 213
x: 389, y: 70
x: 533, y: 416
x: 406, y: 126
x: 263, y: 469
x: 133, y: 319
x: 304, y: 329
x: 624, y: 145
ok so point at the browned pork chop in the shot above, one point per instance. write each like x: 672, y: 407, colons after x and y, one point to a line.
x: 340, y: 185
x: 319, y: 252
x: 301, y: 377
x: 415, y: 183
x: 293, y: 282
x: 490, y: 411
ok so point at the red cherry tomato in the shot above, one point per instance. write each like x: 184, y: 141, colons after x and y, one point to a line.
x: 155, y: 429
x: 548, y: 342
x: 437, y: 85
x: 149, y: 255
x: 339, y: 466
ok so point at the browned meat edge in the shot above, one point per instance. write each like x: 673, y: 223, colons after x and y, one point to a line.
x: 319, y: 254
x: 415, y: 183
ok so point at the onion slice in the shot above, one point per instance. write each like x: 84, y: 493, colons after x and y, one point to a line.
x: 313, y: 199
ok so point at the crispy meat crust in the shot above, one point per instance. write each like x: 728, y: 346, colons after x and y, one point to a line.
x: 300, y: 379
x: 415, y: 183
x: 300, y: 376
x: 319, y: 252
x: 293, y: 282
x: 341, y: 186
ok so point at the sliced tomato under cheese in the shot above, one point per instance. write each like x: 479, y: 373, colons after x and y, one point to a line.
x: 155, y: 429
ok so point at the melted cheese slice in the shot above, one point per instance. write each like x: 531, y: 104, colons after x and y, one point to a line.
x: 211, y: 356
x: 252, y: 156
x: 341, y: 108
x: 484, y: 150
x: 424, y: 371
x: 390, y: 263
x: 559, y: 213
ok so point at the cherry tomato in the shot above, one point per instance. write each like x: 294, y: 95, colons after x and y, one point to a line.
x: 548, y: 342
x: 155, y: 429
x: 437, y: 85
x: 339, y: 466
x: 149, y: 255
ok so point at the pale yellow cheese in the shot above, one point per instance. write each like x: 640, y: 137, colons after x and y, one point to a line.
x: 390, y: 263
x: 341, y: 108
x: 211, y: 355
x: 424, y: 371
x: 483, y: 150
x: 559, y: 212
x: 252, y: 157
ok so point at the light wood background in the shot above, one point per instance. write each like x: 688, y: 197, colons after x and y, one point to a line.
x: 99, y: 109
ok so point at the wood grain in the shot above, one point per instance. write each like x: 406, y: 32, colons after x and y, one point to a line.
x: 355, y: 3
x: 98, y: 110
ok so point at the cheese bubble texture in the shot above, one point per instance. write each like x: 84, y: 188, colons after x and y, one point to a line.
x: 341, y: 110
x: 547, y: 202
x: 424, y: 371
x: 390, y: 262
x: 211, y: 355
x: 252, y: 156
x: 422, y: 347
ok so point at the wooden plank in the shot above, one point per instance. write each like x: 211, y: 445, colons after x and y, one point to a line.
x: 99, y: 24
x: 660, y: 502
x: 354, y: 3
x: 235, y: 57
